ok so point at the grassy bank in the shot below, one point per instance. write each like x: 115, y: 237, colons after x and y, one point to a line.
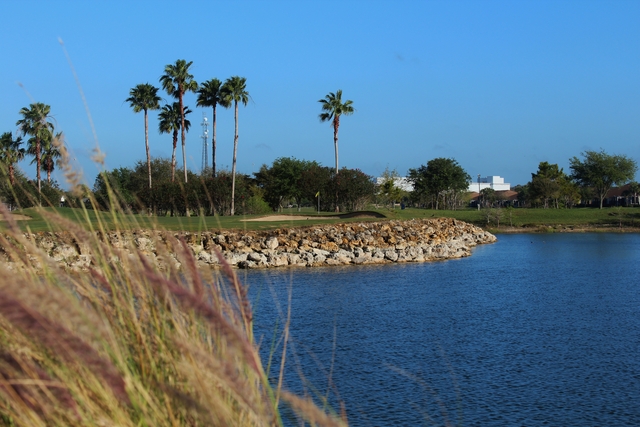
x: 532, y: 220
x: 510, y: 220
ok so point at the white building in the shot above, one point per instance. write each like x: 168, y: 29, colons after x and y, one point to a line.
x: 400, y: 182
x: 495, y: 182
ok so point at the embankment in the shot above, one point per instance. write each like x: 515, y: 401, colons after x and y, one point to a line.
x: 321, y: 245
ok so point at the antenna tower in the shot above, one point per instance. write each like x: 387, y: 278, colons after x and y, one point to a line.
x: 205, y: 135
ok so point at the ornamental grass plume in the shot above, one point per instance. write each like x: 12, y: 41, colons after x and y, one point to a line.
x: 131, y: 342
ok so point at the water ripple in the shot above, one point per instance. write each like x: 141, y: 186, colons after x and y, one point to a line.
x: 534, y: 330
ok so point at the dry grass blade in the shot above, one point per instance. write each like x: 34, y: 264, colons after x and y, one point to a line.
x: 22, y: 378
x: 241, y: 293
x: 310, y: 412
x: 191, y: 301
x: 62, y: 341
x: 196, y: 280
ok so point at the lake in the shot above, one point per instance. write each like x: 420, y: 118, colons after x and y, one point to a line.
x: 534, y: 330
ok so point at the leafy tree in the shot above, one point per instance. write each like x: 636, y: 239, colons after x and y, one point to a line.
x: 488, y: 196
x: 333, y: 108
x: 234, y: 90
x: 569, y: 192
x: 546, y: 183
x: 35, y: 122
x: 177, y: 81
x: 281, y: 181
x: 523, y: 194
x: 152, y: 200
x: 23, y: 193
x: 170, y: 121
x: 51, y: 193
x: 315, y: 182
x: 633, y: 190
x: 210, y: 95
x: 11, y: 153
x: 256, y: 204
x: 144, y: 97
x: 388, y: 192
x: 440, y: 179
x: 354, y: 188
x: 119, y: 181
x: 219, y: 189
x: 602, y: 171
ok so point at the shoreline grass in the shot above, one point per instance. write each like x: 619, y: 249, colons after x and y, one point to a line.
x: 128, y: 344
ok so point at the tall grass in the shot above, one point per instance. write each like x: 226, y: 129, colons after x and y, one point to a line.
x: 129, y: 343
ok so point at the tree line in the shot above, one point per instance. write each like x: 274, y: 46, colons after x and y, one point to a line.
x: 439, y: 184
x: 177, y: 80
x: 443, y: 183
x: 287, y: 181
x: 592, y: 176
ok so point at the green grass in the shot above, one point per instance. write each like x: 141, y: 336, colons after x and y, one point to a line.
x: 534, y: 218
x: 95, y: 220
x: 527, y: 219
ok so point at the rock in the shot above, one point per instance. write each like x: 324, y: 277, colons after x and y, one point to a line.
x: 206, y: 257
x: 391, y: 255
x: 320, y: 252
x: 278, y: 260
x: 234, y: 258
x: 64, y: 253
x: 144, y: 244
x: 271, y: 243
x: 334, y: 244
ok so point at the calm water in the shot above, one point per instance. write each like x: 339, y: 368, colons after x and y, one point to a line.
x: 533, y: 330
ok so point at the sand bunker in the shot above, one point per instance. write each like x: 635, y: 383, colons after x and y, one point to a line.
x: 17, y: 217
x: 289, y: 218
x: 361, y: 214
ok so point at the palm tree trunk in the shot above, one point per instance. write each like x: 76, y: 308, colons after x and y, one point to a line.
x: 38, y: 163
x: 146, y: 143
x: 173, y: 155
x: 336, y: 125
x: 233, y: 167
x: 12, y: 178
x: 213, y: 143
x: 184, y: 138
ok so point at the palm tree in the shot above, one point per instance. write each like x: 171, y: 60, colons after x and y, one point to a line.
x: 333, y: 108
x: 11, y: 153
x: 144, y: 97
x: 170, y: 122
x: 177, y: 81
x: 48, y: 153
x: 210, y: 95
x: 35, y: 122
x: 234, y: 90
x: 51, y: 154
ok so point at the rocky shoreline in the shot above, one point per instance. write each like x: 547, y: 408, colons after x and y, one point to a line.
x: 379, y: 242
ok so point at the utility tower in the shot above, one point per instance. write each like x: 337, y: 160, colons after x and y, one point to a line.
x: 205, y: 135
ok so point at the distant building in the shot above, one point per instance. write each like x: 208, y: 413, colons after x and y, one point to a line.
x: 495, y: 182
x: 401, y: 182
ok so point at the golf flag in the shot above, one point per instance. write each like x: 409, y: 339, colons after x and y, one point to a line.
x: 317, y: 194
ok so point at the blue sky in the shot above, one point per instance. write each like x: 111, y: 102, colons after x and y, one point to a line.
x: 497, y: 85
